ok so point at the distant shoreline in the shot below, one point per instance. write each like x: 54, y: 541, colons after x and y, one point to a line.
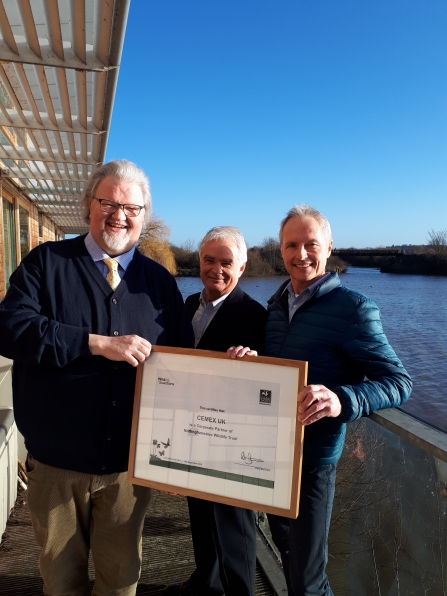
x: 416, y: 265
x: 401, y: 264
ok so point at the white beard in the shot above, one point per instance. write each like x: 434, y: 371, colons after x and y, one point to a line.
x: 115, y: 243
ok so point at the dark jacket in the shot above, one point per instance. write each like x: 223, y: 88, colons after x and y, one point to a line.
x: 75, y: 409
x: 338, y: 331
x: 239, y: 321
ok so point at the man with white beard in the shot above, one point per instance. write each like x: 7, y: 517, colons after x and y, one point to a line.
x: 79, y: 316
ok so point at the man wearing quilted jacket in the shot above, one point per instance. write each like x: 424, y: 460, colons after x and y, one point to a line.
x: 352, y: 371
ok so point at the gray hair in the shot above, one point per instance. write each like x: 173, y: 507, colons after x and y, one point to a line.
x: 307, y: 211
x: 122, y: 171
x: 227, y: 233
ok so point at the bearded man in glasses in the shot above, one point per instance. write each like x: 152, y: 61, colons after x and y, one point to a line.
x: 79, y: 316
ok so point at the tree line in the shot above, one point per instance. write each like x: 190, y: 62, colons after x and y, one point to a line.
x: 262, y: 261
x: 430, y: 259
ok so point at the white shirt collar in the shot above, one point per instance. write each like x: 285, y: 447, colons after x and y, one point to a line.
x: 202, y: 299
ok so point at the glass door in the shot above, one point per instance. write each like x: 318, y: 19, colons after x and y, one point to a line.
x: 24, y: 232
x: 9, y: 240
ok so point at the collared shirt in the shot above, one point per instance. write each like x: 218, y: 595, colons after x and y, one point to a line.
x: 297, y: 300
x: 98, y: 255
x: 205, y: 314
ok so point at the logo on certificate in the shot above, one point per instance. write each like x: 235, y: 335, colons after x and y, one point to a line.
x: 265, y: 397
x: 164, y: 381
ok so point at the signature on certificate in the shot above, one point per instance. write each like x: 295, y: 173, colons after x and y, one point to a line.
x: 248, y: 459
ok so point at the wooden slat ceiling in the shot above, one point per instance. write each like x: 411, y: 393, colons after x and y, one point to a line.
x: 59, y: 62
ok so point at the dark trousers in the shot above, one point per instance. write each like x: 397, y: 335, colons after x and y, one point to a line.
x: 224, y: 542
x: 302, y: 542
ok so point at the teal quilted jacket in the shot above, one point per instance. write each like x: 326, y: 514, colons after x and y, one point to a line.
x: 338, y: 331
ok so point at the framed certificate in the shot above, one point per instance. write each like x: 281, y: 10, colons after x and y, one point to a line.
x: 217, y: 428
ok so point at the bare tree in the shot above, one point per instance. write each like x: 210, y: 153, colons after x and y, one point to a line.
x: 189, y: 245
x: 256, y: 265
x: 271, y: 252
x: 154, y: 243
x: 437, y: 241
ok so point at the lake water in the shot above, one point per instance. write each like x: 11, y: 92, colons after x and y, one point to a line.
x: 414, y: 317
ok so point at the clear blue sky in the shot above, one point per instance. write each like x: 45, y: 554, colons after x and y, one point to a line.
x: 239, y: 109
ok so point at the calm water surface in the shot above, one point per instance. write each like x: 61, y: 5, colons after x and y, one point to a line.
x: 414, y: 317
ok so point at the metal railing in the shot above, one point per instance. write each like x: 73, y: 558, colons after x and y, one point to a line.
x: 389, y: 524
x: 8, y: 446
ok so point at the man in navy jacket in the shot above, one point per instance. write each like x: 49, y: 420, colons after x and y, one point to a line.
x: 79, y: 316
x: 223, y: 317
x: 352, y: 372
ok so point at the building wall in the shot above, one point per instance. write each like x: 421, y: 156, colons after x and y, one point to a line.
x: 22, y: 208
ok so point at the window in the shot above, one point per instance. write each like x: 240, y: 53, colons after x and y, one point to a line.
x: 40, y: 219
x: 24, y: 232
x: 9, y: 239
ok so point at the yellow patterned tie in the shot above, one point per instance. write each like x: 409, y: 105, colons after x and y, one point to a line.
x: 112, y: 276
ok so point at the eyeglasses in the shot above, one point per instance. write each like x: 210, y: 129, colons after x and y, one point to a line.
x: 111, y: 207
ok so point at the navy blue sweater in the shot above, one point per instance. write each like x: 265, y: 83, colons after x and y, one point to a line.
x: 75, y: 409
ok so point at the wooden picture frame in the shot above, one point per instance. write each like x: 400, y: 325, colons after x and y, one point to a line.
x: 221, y: 429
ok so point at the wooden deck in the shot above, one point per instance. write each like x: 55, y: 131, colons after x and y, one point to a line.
x: 167, y: 550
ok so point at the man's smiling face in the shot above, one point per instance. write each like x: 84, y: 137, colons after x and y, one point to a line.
x: 305, y: 251
x: 114, y: 232
x: 219, y: 268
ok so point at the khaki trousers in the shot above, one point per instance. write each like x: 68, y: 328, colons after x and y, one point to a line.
x: 72, y: 513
